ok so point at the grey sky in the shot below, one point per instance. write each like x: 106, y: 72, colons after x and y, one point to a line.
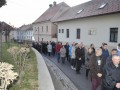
x: 19, y: 12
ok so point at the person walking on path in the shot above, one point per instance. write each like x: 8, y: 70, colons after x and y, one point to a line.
x: 73, y: 60
x: 49, y: 48
x: 105, y: 52
x: 87, y: 61
x: 57, y: 48
x: 113, y: 52
x: 67, y: 51
x: 111, y: 80
x: 79, y: 53
x: 63, y: 54
x: 96, y: 65
x: 53, y: 48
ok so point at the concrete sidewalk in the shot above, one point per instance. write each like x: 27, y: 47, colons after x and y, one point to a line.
x: 45, y: 80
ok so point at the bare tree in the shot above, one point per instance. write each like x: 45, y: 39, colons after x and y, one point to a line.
x: 2, y: 3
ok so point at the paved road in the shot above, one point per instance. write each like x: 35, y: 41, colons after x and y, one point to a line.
x: 79, y: 80
x: 55, y: 81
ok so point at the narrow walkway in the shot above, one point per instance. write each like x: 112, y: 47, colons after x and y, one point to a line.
x: 79, y: 80
x: 64, y: 83
x: 63, y: 77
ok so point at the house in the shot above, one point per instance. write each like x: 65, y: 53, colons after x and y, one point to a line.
x: 29, y: 33
x: 13, y: 34
x: 25, y: 33
x: 4, y: 31
x: 95, y: 21
x: 43, y: 28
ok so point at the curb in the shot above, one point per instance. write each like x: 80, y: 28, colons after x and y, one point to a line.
x: 65, y: 82
x: 44, y: 79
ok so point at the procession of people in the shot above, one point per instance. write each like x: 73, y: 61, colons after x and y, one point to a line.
x: 102, y: 66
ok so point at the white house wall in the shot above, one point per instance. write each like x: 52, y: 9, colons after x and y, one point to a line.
x: 39, y: 34
x: 101, y: 24
x: 29, y: 35
x: 13, y: 34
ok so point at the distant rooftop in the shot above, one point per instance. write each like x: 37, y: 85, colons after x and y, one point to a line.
x: 26, y: 27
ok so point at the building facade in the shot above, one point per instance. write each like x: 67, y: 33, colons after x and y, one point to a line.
x: 29, y: 35
x: 96, y: 21
x: 43, y: 28
x: 25, y: 33
x: 13, y: 34
x: 94, y: 30
x: 44, y: 31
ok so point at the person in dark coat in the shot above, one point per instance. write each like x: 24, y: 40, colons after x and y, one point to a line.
x: 39, y: 47
x: 93, y: 47
x: 42, y: 46
x: 87, y: 61
x: 113, y: 52
x: 67, y: 51
x: 96, y: 68
x: 84, y: 50
x: 111, y: 70
x: 45, y: 47
x: 105, y: 52
x: 53, y: 48
x: 79, y: 53
x: 33, y: 44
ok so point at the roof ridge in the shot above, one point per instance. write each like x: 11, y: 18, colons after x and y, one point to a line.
x: 63, y: 4
x: 91, y: 8
x: 50, y: 12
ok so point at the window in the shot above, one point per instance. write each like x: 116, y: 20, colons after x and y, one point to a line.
x: 46, y: 28
x: 62, y: 30
x: 42, y: 28
x: 80, y: 11
x: 35, y: 29
x: 78, y: 34
x: 67, y: 33
x: 103, y: 5
x: 113, y: 34
x: 59, y: 30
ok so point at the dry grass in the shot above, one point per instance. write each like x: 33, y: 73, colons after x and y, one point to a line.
x: 29, y: 77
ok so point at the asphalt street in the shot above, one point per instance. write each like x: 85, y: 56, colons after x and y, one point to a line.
x: 79, y: 80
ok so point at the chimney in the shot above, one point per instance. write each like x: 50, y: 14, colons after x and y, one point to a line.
x: 50, y: 5
x: 54, y: 3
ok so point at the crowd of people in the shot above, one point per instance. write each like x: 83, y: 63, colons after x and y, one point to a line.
x: 102, y: 66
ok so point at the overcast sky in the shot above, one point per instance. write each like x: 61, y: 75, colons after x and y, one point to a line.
x: 19, y: 12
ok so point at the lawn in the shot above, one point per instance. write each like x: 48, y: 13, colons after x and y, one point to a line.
x: 29, y: 77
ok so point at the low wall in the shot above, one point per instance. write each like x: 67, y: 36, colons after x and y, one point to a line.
x: 44, y: 78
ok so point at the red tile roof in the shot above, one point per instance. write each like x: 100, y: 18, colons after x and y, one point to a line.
x: 51, y: 12
x: 90, y: 8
